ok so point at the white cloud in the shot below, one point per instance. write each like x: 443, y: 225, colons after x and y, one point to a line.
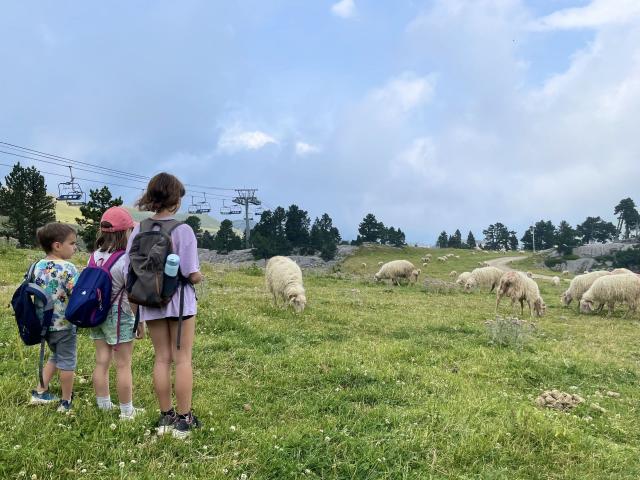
x: 596, y: 14
x: 404, y: 93
x: 344, y: 8
x: 303, y: 149
x: 234, y: 140
x: 419, y: 159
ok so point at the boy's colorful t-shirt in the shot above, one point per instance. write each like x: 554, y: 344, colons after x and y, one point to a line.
x: 57, y: 278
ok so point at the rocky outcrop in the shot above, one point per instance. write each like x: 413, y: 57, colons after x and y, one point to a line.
x: 593, y: 250
x: 244, y: 258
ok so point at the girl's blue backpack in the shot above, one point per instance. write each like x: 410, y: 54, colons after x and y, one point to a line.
x: 90, y: 301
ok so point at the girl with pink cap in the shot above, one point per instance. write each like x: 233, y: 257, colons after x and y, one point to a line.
x: 114, y: 338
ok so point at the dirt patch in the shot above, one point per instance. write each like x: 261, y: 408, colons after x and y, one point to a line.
x: 558, y: 400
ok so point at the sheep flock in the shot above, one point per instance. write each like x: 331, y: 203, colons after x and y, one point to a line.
x: 590, y: 292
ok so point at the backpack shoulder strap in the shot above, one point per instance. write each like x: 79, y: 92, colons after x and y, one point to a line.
x: 29, y: 275
x: 92, y: 260
x: 113, y: 258
x: 168, y: 226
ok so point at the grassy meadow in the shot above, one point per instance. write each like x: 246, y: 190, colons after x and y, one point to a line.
x: 370, y: 381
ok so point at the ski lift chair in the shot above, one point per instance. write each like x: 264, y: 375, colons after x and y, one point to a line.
x: 79, y: 201
x: 224, y: 209
x: 204, y: 206
x: 70, y: 191
x: 194, y: 208
x: 235, y: 209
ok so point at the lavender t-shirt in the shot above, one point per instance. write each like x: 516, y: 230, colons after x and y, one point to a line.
x: 186, y: 247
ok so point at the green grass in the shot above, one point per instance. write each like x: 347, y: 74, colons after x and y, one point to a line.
x: 370, y: 381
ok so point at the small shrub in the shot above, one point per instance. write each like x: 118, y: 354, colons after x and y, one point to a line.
x: 551, y: 262
x: 253, y: 270
x: 509, y: 331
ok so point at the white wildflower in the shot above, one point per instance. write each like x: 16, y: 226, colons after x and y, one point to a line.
x: 243, y: 476
x: 113, y: 426
x: 84, y: 470
x: 121, y: 464
x: 17, y: 447
x: 232, y: 428
x: 327, y: 439
x: 134, y: 461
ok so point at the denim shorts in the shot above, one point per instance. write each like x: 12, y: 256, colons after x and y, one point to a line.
x: 108, y: 330
x: 64, y: 349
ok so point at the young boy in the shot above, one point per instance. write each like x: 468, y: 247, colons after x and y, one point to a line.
x: 57, y: 276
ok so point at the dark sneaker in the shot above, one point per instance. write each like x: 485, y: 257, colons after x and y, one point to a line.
x: 166, y: 422
x: 42, y: 398
x: 182, y: 428
x: 65, y: 406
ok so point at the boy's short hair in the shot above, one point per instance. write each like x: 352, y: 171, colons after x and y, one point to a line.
x: 163, y: 192
x: 53, y: 232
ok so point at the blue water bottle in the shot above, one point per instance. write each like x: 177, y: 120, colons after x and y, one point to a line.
x: 170, y: 281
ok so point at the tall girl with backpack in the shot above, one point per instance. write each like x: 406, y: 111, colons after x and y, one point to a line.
x: 167, y: 302
x: 114, y: 337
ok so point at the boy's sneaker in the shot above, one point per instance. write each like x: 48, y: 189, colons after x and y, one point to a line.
x: 185, y: 423
x: 166, y: 422
x: 65, y: 406
x: 42, y: 398
x: 132, y: 415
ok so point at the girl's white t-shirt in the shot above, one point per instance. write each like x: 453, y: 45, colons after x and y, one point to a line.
x: 118, y: 277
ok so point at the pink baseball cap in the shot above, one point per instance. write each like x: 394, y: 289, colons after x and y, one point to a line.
x: 119, y: 218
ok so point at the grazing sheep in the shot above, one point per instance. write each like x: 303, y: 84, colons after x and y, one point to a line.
x: 453, y: 273
x: 462, y: 278
x: 364, y: 265
x: 520, y: 288
x: 555, y: 281
x: 619, y: 271
x: 486, y: 264
x: 450, y: 255
x: 397, y: 269
x: 566, y: 272
x: 442, y: 259
x: 611, y: 289
x: 484, y: 277
x: 425, y: 264
x: 457, y: 256
x: 283, y: 278
x: 579, y: 285
x: 529, y: 274
x: 380, y: 263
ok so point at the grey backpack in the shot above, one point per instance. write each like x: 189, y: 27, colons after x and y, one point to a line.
x: 147, y: 256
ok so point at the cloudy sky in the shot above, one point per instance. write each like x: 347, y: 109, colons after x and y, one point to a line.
x: 435, y: 114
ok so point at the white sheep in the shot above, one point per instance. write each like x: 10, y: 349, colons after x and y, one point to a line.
x: 283, y: 278
x: 555, y: 281
x: 619, y: 271
x: 520, y: 288
x: 484, y: 277
x: 442, y: 259
x: 579, y: 285
x: 611, y: 289
x: 364, y: 265
x: 462, y: 278
x: 380, y: 263
x: 457, y: 256
x: 453, y: 273
x: 529, y: 274
x: 425, y: 264
x: 566, y: 272
x: 397, y: 269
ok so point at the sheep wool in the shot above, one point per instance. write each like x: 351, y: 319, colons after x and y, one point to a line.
x: 453, y: 273
x: 397, y: 269
x: 555, y: 281
x: 520, y: 288
x: 462, y: 278
x: 611, y: 289
x: 485, y: 277
x: 579, y: 285
x: 283, y: 279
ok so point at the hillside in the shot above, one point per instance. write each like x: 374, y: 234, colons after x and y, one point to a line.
x: 68, y: 214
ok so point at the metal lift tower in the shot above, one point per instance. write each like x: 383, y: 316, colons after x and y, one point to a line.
x: 246, y: 197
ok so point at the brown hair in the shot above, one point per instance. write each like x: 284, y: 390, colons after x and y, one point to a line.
x: 163, y: 192
x: 111, y: 241
x: 53, y: 232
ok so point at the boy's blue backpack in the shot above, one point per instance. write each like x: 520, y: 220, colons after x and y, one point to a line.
x: 90, y: 301
x: 32, y: 328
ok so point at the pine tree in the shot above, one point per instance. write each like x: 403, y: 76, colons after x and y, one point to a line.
x: 596, y: 229
x: 324, y: 237
x: 443, y: 240
x: 297, y: 227
x: 268, y: 236
x: 206, y: 241
x: 455, y: 240
x: 25, y: 202
x: 226, y: 240
x: 370, y: 229
x: 471, y: 240
x: 195, y: 224
x: 99, y: 201
x: 627, y: 215
x: 566, y: 238
x: 513, y: 241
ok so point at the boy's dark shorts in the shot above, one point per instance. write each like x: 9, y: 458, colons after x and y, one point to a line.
x: 64, y: 349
